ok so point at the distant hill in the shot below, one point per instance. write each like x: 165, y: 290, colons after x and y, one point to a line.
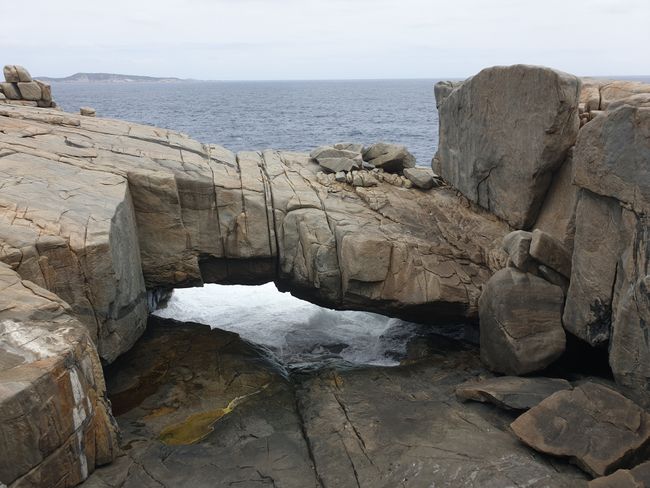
x: 108, y: 78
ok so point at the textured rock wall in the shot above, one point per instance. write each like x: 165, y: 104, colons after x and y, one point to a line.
x: 596, y: 204
x: 55, y: 422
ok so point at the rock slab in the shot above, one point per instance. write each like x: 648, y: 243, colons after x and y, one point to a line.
x: 511, y: 392
x: 596, y: 427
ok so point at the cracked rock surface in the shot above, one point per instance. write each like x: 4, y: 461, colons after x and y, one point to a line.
x: 369, y: 427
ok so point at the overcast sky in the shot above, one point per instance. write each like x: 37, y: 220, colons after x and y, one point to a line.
x: 324, y: 39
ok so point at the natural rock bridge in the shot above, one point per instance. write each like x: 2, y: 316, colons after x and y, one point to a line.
x: 98, y: 212
x: 97, y: 216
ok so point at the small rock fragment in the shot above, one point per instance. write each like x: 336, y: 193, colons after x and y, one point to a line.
x: 511, y: 392
x: 87, y: 111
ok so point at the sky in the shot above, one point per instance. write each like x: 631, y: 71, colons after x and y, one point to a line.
x: 325, y: 39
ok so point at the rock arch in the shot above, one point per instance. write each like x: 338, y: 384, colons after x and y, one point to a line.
x: 96, y: 213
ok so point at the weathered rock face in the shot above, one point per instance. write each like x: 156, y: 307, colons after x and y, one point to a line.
x: 55, y: 422
x: 521, y: 322
x: 598, y: 428
x: 128, y: 198
x: 503, y: 133
x: 588, y: 308
x: 608, y: 296
x: 557, y: 215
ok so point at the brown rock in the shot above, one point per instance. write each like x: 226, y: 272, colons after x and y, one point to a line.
x: 637, y: 477
x: 596, y: 427
x: 511, y: 392
x: 55, y: 424
x: 551, y: 252
x: 46, y: 91
x: 10, y: 91
x: 30, y: 90
x: 520, y: 322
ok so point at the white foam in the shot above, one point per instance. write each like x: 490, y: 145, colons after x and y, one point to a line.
x: 295, y: 330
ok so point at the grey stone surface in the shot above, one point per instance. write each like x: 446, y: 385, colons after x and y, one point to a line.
x: 551, y: 252
x: 30, y: 90
x: 588, y: 307
x: 10, y: 91
x: 517, y: 245
x: 393, y: 158
x: 521, y: 323
x: 503, y: 133
x: 420, y: 177
x: 368, y: 427
x: 511, y: 392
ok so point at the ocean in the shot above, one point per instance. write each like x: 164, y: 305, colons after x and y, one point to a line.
x: 290, y: 115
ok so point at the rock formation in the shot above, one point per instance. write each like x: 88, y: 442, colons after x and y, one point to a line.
x: 537, y: 225
x: 584, y: 192
x: 20, y: 89
x: 491, y: 146
x: 103, y: 213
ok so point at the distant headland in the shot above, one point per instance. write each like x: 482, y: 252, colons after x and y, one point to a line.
x: 110, y: 78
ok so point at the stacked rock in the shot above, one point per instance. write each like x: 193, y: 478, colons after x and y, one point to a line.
x: 20, y: 89
x: 347, y: 162
x: 521, y: 305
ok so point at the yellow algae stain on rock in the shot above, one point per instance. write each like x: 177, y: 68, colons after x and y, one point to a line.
x: 159, y: 412
x: 199, y: 425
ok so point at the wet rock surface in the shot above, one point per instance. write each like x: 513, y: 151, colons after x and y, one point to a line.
x: 367, y: 427
x: 511, y: 392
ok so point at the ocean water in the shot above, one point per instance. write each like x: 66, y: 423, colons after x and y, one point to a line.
x: 299, y: 334
x: 289, y: 115
x: 293, y: 116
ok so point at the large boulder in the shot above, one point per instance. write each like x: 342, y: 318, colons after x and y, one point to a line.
x: 521, y: 322
x: 442, y: 89
x: 612, y: 154
x: 389, y: 157
x: 610, y: 297
x: 14, y: 73
x: 503, y: 133
x: 30, y: 90
x: 596, y: 427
